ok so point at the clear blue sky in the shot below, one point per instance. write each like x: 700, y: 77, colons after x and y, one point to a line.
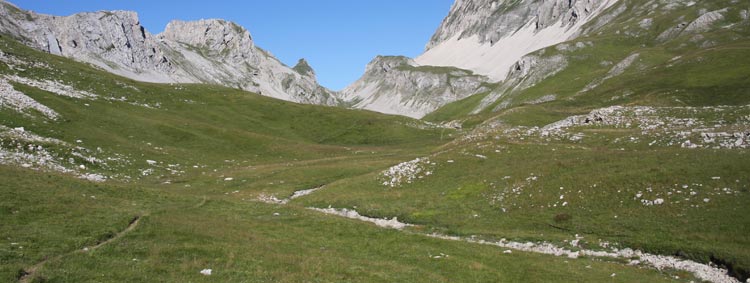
x: 337, y: 37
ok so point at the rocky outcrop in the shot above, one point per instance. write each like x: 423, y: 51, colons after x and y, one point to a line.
x: 114, y: 41
x: 479, y: 41
x: 489, y: 36
x: 216, y: 37
x: 303, y: 68
x: 205, y: 51
x: 527, y: 72
x: 221, y: 52
x: 703, y: 23
x: 617, y: 70
x: 397, y: 85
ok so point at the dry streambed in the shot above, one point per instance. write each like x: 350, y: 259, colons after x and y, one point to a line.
x: 706, y: 272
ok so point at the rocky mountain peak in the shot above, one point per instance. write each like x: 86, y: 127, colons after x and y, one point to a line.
x: 210, y: 51
x: 104, y: 38
x: 384, y: 64
x: 398, y: 85
x: 121, y: 15
x: 212, y: 35
x: 304, y: 68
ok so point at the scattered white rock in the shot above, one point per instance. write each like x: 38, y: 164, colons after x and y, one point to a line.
x: 303, y: 193
x: 406, y: 172
x: 663, y: 126
x: 55, y: 87
x: 272, y: 199
x: 352, y: 214
x: 17, y: 101
x: 702, y: 271
x: 30, y: 151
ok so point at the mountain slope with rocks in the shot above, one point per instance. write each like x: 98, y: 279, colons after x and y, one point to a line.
x: 537, y: 52
x: 644, y: 52
x: 484, y: 38
x: 205, y: 51
x: 489, y: 36
x: 397, y: 85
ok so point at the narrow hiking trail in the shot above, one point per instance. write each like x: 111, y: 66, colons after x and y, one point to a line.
x: 28, y: 274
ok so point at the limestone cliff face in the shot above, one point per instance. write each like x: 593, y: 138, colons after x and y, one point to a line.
x: 397, y: 85
x: 490, y: 36
x: 479, y: 41
x: 215, y: 36
x: 114, y: 41
x: 205, y: 51
x: 491, y: 20
x: 222, y: 52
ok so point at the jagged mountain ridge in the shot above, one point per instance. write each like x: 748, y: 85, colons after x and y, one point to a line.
x: 206, y: 51
x: 398, y: 85
x: 220, y: 52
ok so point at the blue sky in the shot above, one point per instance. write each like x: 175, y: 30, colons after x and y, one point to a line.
x: 337, y: 37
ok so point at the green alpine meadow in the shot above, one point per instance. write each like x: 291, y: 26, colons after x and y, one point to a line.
x: 531, y: 141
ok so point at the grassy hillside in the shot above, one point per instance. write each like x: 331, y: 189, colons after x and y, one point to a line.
x: 194, y: 175
x: 186, y: 164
